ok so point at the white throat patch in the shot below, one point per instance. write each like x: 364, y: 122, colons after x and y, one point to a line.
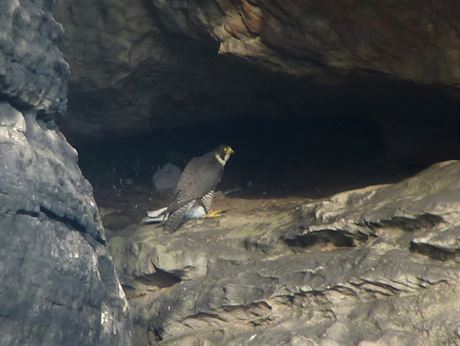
x: 222, y: 161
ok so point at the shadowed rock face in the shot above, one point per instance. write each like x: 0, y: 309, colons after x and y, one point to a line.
x: 327, y: 39
x: 58, y: 284
x: 375, y: 265
x: 138, y: 66
x: 33, y: 72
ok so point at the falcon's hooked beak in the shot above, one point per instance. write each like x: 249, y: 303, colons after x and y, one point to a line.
x: 227, y: 151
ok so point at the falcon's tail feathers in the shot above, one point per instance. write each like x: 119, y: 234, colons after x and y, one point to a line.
x: 176, y: 217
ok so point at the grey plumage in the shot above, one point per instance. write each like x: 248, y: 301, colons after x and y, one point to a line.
x: 196, y: 185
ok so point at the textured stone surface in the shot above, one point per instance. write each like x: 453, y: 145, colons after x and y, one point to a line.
x: 33, y: 72
x: 429, y: 201
x: 327, y: 39
x: 378, y: 265
x: 143, y: 65
x: 59, y: 286
x: 130, y: 76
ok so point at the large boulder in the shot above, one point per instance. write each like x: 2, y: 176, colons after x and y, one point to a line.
x: 58, y: 284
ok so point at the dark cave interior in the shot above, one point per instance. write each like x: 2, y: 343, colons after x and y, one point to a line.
x: 374, y: 142
x: 272, y: 155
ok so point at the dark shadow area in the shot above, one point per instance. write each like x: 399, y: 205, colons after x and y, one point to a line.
x: 338, y: 239
x: 298, y: 154
x: 272, y: 155
x: 433, y: 252
x: 160, y: 279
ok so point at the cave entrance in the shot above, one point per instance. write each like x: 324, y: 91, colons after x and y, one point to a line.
x: 276, y: 157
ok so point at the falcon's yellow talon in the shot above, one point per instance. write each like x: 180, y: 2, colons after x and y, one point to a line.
x: 214, y: 214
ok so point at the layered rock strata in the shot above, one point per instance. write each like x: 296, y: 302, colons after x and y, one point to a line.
x: 378, y: 265
x: 143, y: 65
x: 59, y: 286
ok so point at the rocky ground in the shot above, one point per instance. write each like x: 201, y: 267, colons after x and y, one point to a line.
x: 373, y: 266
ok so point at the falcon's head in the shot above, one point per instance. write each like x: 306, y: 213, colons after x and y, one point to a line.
x: 223, y: 153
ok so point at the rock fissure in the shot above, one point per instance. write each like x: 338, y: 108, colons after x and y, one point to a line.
x: 434, y: 251
x: 69, y: 221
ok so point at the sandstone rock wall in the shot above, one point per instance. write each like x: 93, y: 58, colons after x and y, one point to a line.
x: 58, y: 284
x: 130, y: 75
x: 143, y: 65
x: 329, y: 39
x: 33, y: 72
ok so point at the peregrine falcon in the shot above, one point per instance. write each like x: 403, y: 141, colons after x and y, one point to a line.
x: 196, y: 185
